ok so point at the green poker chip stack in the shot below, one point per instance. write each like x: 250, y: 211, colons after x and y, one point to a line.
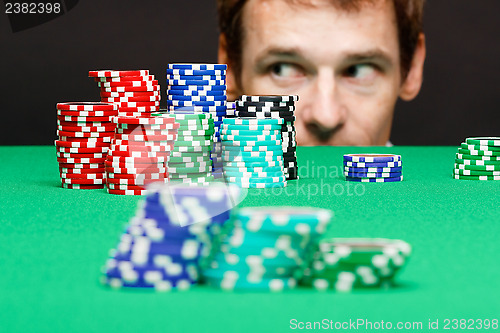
x: 478, y: 158
x: 344, y: 264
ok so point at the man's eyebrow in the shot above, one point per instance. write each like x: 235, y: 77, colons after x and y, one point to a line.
x: 369, y: 55
x: 280, y: 52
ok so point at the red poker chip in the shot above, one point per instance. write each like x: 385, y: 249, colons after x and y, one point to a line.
x: 124, y: 78
x: 143, y: 110
x: 88, y: 113
x: 134, y: 172
x: 139, y: 137
x: 72, y: 150
x: 126, y: 148
x: 125, y: 187
x: 83, y: 181
x: 82, y: 166
x: 142, y: 176
x: 149, y: 127
x: 130, y: 89
x: 123, y: 159
x: 138, y: 114
x: 134, y: 182
x: 86, y: 106
x: 79, y: 155
x: 85, y: 134
x: 86, y: 129
x: 129, y: 192
x: 83, y: 187
x: 105, y: 119
x: 127, y: 84
x: 82, y: 175
x: 84, y: 123
x: 135, y: 144
x: 130, y: 94
x: 137, y: 104
x: 82, y: 171
x: 143, y: 131
x: 132, y: 99
x: 106, y: 139
x: 146, y: 121
x: 80, y: 160
x: 142, y: 154
x: 82, y: 144
x: 113, y: 73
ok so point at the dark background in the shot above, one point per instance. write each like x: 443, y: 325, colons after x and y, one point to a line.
x: 49, y: 63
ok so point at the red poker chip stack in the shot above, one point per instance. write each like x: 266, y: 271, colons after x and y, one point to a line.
x: 139, y: 153
x: 135, y: 92
x: 84, y: 130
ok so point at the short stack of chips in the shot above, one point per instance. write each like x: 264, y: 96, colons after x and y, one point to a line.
x: 163, y: 245
x: 275, y: 107
x: 135, y: 92
x: 373, y: 168
x: 252, y: 152
x: 265, y: 248
x: 139, y: 153
x: 190, y: 161
x: 478, y: 159
x: 200, y: 88
x: 343, y: 264
x: 84, y: 132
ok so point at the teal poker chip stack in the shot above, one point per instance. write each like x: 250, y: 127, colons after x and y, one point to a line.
x: 200, y: 88
x: 373, y: 168
x: 252, y: 153
x: 169, y: 238
x: 190, y: 161
x: 344, y: 264
x: 265, y: 248
x: 279, y: 107
x: 478, y: 158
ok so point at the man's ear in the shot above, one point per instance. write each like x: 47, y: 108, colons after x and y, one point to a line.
x: 232, y: 88
x: 411, y: 86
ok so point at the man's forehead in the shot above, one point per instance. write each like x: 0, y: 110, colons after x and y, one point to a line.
x: 343, y: 5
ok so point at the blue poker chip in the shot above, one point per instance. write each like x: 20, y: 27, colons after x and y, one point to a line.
x: 195, y: 103
x: 375, y: 180
x: 372, y: 174
x: 195, y: 72
x: 198, y: 93
x: 195, y: 77
x: 372, y: 158
x: 198, y: 87
x: 221, y: 67
x: 196, y: 82
x: 373, y: 165
x: 374, y: 169
x: 221, y: 97
x: 153, y: 259
x: 220, y: 110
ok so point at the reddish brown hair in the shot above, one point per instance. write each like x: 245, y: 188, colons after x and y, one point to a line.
x: 409, y: 16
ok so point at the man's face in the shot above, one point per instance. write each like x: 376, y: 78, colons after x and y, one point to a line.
x: 344, y: 66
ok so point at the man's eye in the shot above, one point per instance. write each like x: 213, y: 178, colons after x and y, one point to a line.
x: 361, y: 72
x: 284, y: 70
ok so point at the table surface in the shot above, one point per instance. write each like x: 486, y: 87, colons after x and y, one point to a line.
x: 53, y: 242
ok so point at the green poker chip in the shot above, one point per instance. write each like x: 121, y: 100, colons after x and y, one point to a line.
x: 189, y: 159
x: 463, y: 172
x: 492, y: 167
x: 477, y: 157
x: 480, y: 147
x: 186, y: 170
x: 472, y: 162
x: 193, y: 143
x: 479, y: 152
x: 484, y: 141
x: 190, y: 175
x: 464, y: 177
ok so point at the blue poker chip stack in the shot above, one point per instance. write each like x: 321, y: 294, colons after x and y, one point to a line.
x: 252, y: 152
x: 266, y: 248
x: 171, y: 235
x: 373, y: 168
x: 200, y: 88
x: 278, y: 107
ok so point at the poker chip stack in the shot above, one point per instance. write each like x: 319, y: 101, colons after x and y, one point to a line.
x: 265, y: 248
x: 190, y: 161
x: 163, y: 245
x: 275, y: 107
x: 135, y: 92
x: 200, y: 88
x: 343, y: 264
x: 84, y: 132
x: 478, y: 158
x: 252, y: 152
x: 373, y: 168
x: 139, y: 154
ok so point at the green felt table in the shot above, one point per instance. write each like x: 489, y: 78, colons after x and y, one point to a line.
x: 53, y: 242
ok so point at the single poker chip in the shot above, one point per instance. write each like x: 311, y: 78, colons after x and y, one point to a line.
x: 465, y: 172
x: 142, y: 154
x: 97, y: 150
x: 285, y: 110
x: 269, y: 98
x: 83, y: 187
x: 201, y: 169
x: 81, y: 171
x: 86, y: 106
x: 189, y: 159
x: 131, y: 89
x: 199, y: 180
x: 477, y: 157
x: 479, y: 152
x: 135, y: 171
x: 189, y: 117
x: 84, y: 134
x: 221, y: 67
x: 195, y: 77
x: 204, y: 153
x: 81, y: 166
x: 201, y: 132
x: 84, y: 123
x: 256, y: 153
x: 372, y: 174
x: 137, y: 104
x: 140, y: 137
x: 77, y: 119
x: 245, y: 138
x: 131, y: 99
x: 487, y: 167
x: 80, y: 160
x: 373, y: 164
x: 372, y: 158
x: 262, y: 185
x: 124, y: 78
x: 228, y: 147
x: 81, y: 144
x: 259, y: 180
x: 202, y: 143
x: 250, y: 165
x: 213, y: 98
x: 153, y: 127
x: 113, y: 73
x: 250, y: 169
x: 484, y: 141
x: 377, y: 170
x: 82, y: 175
x: 142, y: 149
x: 127, y: 192
x: 219, y: 109
x: 195, y: 72
x: 251, y: 175
x: 140, y: 83
x: 198, y: 87
x: 129, y: 94
x: 375, y: 180
x: 275, y: 142
x: 480, y: 147
x: 250, y: 127
x: 126, y: 184
x: 144, y: 121
x: 175, y: 93
x: 125, y: 159
x: 141, y: 176
x: 136, y: 145
x: 465, y: 177
x: 252, y: 121
x: 201, y: 164
x: 249, y: 132
x: 191, y: 149
x: 196, y: 82
x: 142, y: 131
x: 263, y: 115
x: 477, y: 162
x: 88, y: 113
x: 248, y: 106
x: 108, y: 128
x: 83, y: 181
